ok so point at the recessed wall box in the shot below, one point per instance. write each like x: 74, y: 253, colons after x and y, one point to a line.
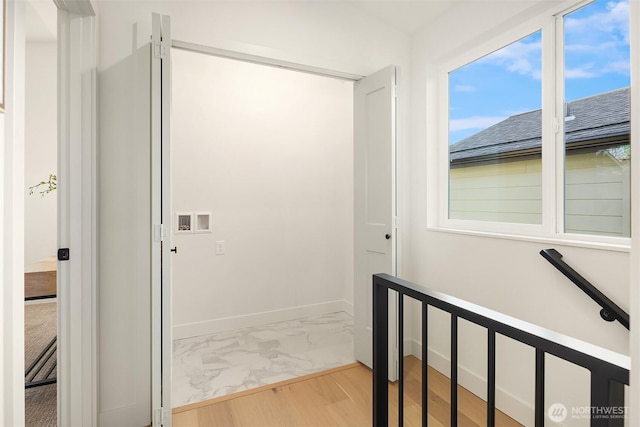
x: 203, y: 222
x: 184, y: 222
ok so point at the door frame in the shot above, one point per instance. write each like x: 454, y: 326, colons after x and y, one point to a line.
x: 12, y: 221
x: 161, y: 213
x: 77, y: 223
x: 77, y: 325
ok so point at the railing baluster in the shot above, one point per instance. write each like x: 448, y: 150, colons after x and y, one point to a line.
x: 607, y: 399
x: 491, y: 378
x: 400, y: 359
x: 539, y: 408
x: 609, y: 370
x: 599, y: 398
x: 616, y: 400
x: 380, y: 353
x: 454, y: 370
x: 425, y: 365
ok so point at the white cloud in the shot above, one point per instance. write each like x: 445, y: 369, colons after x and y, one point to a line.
x: 593, y: 48
x: 478, y: 122
x: 583, y: 72
x: 604, y: 66
x: 600, y: 38
x: 614, y: 20
x: 619, y: 67
x: 522, y: 57
x: 590, y: 70
x: 464, y: 88
x: 520, y: 66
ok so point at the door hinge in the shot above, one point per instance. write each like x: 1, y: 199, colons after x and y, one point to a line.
x: 159, y: 232
x: 159, y: 50
x: 395, y: 222
x: 160, y: 417
x: 556, y: 125
x: 395, y: 91
x: 396, y: 362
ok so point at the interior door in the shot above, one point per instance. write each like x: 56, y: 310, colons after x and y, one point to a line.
x: 375, y: 204
x: 161, y: 219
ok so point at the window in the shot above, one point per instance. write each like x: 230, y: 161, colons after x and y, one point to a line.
x: 596, y: 120
x: 495, y: 169
x: 544, y: 149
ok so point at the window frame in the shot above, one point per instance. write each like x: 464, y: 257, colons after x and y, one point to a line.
x: 551, y: 230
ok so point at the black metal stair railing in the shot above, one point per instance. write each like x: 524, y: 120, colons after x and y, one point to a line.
x: 609, y: 370
x: 610, y: 310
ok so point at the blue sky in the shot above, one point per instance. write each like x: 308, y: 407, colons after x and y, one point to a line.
x: 508, y: 81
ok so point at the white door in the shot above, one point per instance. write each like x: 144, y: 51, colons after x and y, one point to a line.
x: 375, y: 204
x: 161, y: 219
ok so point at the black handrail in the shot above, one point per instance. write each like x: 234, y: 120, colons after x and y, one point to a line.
x: 610, y: 310
x: 609, y: 370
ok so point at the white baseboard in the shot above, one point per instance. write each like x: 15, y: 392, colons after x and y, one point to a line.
x: 213, y: 326
x: 511, y: 405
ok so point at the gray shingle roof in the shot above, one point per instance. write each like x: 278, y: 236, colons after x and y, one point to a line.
x: 600, y: 116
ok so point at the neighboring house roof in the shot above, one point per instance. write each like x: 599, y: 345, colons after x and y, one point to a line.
x: 606, y: 115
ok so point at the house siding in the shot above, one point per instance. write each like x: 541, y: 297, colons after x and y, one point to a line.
x: 500, y: 192
x: 597, y: 193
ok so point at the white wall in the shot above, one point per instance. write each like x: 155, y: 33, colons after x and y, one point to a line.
x: 634, y: 10
x: 40, y: 213
x: 505, y: 275
x: 269, y: 152
x: 326, y: 34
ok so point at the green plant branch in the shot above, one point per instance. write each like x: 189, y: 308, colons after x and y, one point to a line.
x: 48, y: 186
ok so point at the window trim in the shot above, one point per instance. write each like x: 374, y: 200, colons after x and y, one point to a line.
x: 553, y: 153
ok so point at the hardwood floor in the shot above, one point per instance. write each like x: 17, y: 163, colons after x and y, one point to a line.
x: 339, y: 397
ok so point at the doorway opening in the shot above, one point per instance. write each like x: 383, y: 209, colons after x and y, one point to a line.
x: 40, y: 221
x: 262, y: 204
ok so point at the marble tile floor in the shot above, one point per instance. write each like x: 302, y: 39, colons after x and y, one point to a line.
x: 215, y: 365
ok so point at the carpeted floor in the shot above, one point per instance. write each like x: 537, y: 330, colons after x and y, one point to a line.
x: 40, y: 328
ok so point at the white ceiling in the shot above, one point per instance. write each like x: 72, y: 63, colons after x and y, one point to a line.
x: 407, y: 16
x: 40, y: 20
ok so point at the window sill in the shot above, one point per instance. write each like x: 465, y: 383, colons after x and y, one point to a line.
x: 566, y: 240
